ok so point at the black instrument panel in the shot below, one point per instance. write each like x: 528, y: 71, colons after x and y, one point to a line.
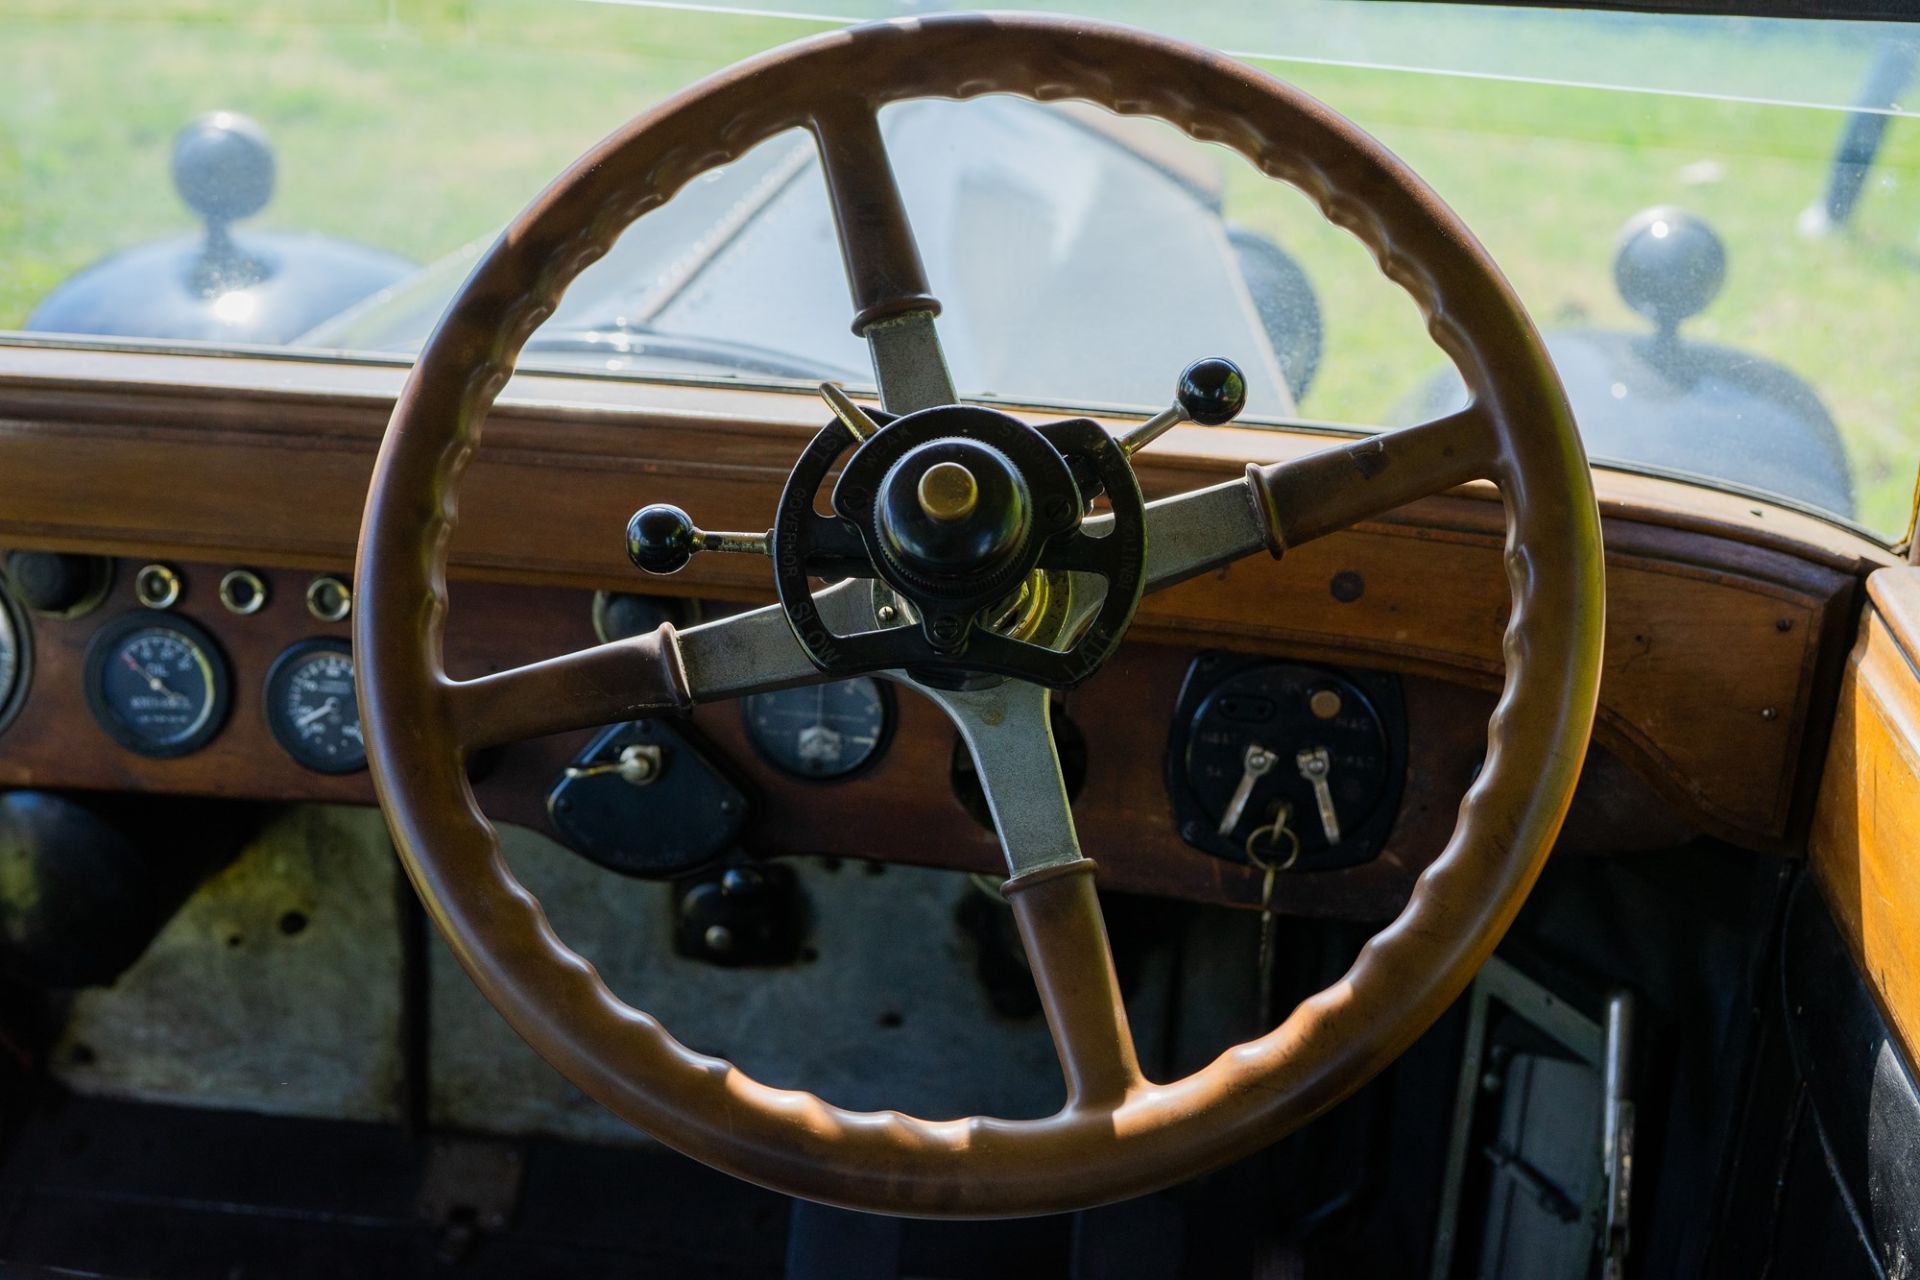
x: 1285, y: 763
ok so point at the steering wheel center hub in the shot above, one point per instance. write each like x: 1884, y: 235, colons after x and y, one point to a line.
x: 954, y: 516
x: 952, y: 508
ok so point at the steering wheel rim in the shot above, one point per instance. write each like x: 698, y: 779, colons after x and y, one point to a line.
x: 1119, y: 1134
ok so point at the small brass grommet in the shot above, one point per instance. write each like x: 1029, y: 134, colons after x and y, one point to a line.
x: 243, y: 591
x: 157, y: 586
x: 329, y: 599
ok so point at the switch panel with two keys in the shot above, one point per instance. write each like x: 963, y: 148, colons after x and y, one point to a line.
x: 1284, y: 763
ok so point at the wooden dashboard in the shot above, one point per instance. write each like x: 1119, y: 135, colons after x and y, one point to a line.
x: 1728, y: 619
x: 1861, y: 845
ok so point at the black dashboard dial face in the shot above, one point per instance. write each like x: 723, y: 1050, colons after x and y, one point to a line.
x: 312, y: 708
x: 157, y: 684
x: 1270, y: 708
x: 1297, y: 765
x: 13, y: 660
x: 821, y: 731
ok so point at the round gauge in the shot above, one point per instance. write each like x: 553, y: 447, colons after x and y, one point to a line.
x: 157, y: 684
x: 312, y: 708
x: 13, y: 660
x: 1289, y: 761
x: 821, y: 731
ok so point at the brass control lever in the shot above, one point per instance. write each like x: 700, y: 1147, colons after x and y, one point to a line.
x: 1211, y: 392
x: 851, y: 415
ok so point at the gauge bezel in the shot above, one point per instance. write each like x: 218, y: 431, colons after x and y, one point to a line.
x: 329, y: 581
x: 271, y: 695
x: 172, y: 586
x: 257, y: 592
x: 16, y: 697
x: 889, y: 719
x: 219, y: 682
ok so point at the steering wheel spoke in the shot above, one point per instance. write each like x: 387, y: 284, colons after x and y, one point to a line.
x: 664, y: 672
x: 1332, y: 489
x: 1285, y: 504
x: 893, y: 306
x: 756, y: 651
x: 1065, y: 936
x: 622, y: 680
x: 1008, y: 730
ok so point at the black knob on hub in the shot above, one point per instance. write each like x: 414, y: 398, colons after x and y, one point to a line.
x: 1212, y: 391
x: 953, y: 509
x: 661, y: 538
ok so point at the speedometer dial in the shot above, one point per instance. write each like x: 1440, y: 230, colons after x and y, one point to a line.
x: 312, y: 706
x: 13, y: 660
x: 157, y: 685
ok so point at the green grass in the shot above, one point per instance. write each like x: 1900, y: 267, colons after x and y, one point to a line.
x: 415, y: 132
x: 418, y: 125
x: 1546, y: 176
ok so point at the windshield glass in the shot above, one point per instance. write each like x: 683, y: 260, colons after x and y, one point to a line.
x: 1715, y: 222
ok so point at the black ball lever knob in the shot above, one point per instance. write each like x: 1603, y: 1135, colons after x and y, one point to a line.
x: 1212, y: 391
x: 661, y: 538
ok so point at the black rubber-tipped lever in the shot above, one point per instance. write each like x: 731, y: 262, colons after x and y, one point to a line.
x: 1212, y: 392
x: 662, y: 538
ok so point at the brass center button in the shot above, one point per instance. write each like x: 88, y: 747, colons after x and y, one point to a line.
x: 948, y: 492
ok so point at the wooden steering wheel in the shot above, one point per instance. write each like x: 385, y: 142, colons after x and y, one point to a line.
x: 1119, y: 1133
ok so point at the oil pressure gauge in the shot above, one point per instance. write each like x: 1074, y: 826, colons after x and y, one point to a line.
x: 157, y: 683
x: 1284, y: 763
x: 312, y: 706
